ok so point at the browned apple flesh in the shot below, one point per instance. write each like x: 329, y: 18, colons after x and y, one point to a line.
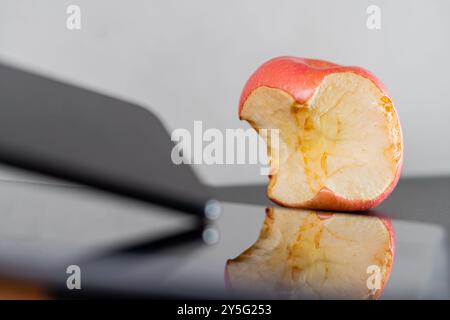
x: 345, y: 138
x: 305, y: 254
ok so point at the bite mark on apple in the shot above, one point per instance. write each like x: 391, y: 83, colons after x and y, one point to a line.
x: 338, y: 151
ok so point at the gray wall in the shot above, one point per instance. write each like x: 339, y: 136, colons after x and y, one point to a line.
x: 188, y: 60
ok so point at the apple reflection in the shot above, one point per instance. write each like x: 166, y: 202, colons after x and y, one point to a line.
x: 303, y: 254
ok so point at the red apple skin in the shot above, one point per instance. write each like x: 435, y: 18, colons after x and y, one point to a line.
x: 300, y: 77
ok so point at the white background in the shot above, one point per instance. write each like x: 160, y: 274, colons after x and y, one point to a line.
x: 188, y: 60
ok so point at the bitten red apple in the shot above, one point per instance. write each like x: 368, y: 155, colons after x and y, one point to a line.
x: 310, y: 255
x: 340, y: 142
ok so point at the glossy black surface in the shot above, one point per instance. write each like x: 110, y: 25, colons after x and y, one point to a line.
x: 420, y: 199
x: 129, y: 248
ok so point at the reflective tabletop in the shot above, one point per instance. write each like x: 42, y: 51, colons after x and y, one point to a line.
x: 254, y: 249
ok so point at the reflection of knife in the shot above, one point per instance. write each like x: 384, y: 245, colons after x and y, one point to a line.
x: 162, y: 255
x: 76, y: 134
x: 97, y: 267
